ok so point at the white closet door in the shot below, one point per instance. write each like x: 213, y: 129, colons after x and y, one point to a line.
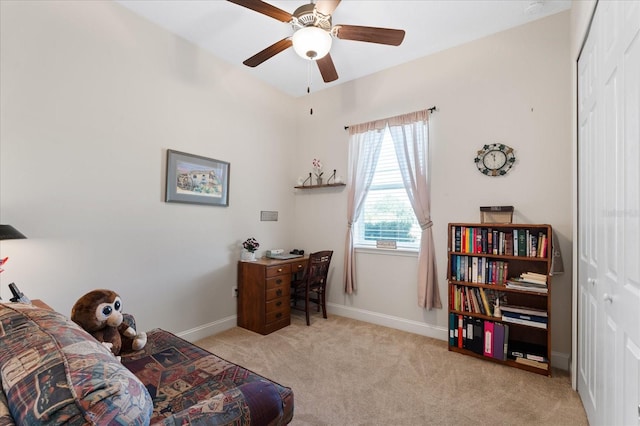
x: 609, y: 216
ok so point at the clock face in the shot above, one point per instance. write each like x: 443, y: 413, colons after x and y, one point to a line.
x: 495, y: 159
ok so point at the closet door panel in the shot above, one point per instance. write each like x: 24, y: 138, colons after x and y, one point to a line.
x: 589, y: 334
x: 627, y: 294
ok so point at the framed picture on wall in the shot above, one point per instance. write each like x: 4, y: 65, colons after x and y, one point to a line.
x: 196, y: 180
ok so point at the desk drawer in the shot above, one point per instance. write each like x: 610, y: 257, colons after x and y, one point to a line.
x: 272, y: 271
x: 277, y: 305
x: 298, y: 266
x: 274, y: 293
x: 277, y: 310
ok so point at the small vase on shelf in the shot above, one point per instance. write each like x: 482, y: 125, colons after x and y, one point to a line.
x: 248, y: 256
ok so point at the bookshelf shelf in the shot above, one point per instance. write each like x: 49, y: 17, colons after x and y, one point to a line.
x: 504, y: 265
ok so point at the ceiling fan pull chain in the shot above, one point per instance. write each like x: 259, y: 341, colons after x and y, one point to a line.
x: 309, y: 86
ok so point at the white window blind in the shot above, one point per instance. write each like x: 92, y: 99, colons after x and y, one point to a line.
x: 387, y: 212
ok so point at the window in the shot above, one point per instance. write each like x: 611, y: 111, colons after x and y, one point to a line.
x: 387, y: 213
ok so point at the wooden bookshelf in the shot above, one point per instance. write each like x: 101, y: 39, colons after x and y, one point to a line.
x: 486, y: 262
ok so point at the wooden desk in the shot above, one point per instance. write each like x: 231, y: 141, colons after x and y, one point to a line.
x: 263, y: 293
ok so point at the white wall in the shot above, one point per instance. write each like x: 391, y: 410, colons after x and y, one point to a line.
x: 512, y: 87
x: 92, y: 97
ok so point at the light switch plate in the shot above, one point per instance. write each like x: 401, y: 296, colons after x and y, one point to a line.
x: 268, y: 216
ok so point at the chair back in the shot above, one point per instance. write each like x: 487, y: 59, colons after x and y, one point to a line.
x: 318, y: 269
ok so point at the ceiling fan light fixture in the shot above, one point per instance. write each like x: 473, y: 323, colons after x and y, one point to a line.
x: 312, y: 43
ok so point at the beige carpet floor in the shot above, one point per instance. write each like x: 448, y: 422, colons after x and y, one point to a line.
x: 348, y: 372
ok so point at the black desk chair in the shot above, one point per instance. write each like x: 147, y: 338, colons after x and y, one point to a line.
x: 314, y: 280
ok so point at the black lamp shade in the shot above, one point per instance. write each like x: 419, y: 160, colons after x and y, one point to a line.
x: 8, y: 232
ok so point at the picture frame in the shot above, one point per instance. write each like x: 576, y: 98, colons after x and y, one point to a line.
x: 195, y: 179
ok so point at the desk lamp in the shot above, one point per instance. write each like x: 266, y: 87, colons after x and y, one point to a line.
x: 8, y: 232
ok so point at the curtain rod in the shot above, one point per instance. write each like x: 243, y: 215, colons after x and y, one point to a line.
x: 431, y: 110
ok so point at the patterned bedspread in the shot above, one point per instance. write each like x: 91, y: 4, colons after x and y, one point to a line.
x: 53, y: 372
x: 189, y: 385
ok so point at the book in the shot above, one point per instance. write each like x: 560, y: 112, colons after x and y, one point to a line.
x: 518, y: 349
x: 527, y: 279
x: 526, y: 286
x: 533, y: 277
x: 488, y: 339
x: 505, y: 348
x: 524, y: 322
x: 476, y: 292
x: 525, y: 282
x: 534, y: 246
x: 478, y: 336
x: 457, y: 239
x: 508, y: 244
x: 542, y: 246
x: 484, y: 240
x: 523, y: 310
x: 522, y: 243
x: 474, y: 269
x: 532, y: 363
x: 485, y: 302
x: 452, y: 329
x: 498, y: 341
x: 475, y: 301
x: 536, y: 318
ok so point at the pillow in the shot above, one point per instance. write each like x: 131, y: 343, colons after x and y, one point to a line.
x: 53, y: 371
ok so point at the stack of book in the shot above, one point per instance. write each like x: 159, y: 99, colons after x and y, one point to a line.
x: 529, y: 281
x: 510, y: 242
x: 524, y: 315
x: 480, y: 336
x: 529, y: 355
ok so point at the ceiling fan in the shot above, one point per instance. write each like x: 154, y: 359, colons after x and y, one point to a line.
x: 313, y: 33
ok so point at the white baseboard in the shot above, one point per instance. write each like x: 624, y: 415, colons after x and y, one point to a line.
x: 398, y: 323
x: 561, y: 360
x: 209, y: 329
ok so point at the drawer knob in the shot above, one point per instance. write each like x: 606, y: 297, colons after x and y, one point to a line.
x: 279, y: 292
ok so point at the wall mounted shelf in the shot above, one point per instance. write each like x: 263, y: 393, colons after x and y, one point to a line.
x: 326, y: 185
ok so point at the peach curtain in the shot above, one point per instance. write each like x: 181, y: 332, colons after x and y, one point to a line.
x: 410, y: 136
x: 365, y: 141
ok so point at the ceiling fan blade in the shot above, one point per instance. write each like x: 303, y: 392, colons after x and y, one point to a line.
x: 265, y: 9
x: 327, y: 69
x: 326, y: 7
x: 269, y: 52
x: 370, y: 34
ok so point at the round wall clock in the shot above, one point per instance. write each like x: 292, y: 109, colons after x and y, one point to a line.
x: 495, y: 159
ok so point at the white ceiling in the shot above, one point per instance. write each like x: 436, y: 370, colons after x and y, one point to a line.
x: 234, y: 33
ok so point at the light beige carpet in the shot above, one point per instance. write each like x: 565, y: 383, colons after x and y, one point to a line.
x: 348, y: 372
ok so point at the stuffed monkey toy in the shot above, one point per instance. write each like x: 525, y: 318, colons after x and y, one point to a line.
x: 99, y: 312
